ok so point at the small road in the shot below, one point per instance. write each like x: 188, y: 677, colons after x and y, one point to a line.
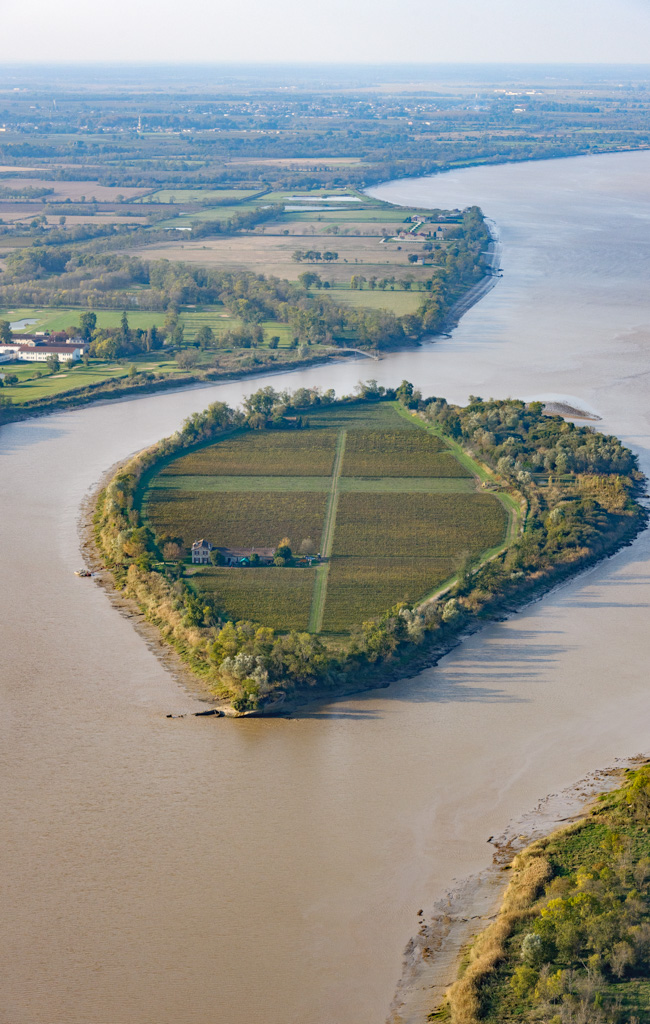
x: 322, y: 572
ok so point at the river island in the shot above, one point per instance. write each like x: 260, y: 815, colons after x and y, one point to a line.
x: 306, y: 546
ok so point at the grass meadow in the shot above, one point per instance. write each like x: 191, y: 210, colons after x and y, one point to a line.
x: 199, y: 195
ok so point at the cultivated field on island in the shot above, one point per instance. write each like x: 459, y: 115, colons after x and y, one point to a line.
x: 362, y: 588
x: 385, y: 500
x: 239, y: 519
x: 281, y: 598
x: 404, y: 453
x: 261, y: 453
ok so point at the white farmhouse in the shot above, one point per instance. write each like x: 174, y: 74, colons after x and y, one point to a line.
x: 201, y: 552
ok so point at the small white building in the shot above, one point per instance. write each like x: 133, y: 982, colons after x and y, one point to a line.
x: 201, y: 552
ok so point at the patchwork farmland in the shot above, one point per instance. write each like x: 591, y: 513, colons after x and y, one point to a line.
x: 386, y: 502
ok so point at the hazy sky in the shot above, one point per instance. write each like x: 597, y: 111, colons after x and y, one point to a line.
x: 615, y: 31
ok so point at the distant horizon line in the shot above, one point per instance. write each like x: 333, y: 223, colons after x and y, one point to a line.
x: 128, y: 62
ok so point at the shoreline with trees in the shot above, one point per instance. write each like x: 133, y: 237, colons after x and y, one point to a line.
x: 578, y: 488
x: 570, y: 940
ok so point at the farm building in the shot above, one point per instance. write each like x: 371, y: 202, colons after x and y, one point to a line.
x: 201, y: 552
x: 242, y: 556
x: 202, y: 549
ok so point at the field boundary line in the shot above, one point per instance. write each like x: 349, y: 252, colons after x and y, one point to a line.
x: 319, y: 595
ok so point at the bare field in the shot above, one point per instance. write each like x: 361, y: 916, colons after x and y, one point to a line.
x: 265, y: 254
x: 20, y: 211
x: 74, y: 189
x: 314, y: 228
x: 98, y: 220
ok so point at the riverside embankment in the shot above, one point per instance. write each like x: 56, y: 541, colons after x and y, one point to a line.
x: 179, y: 871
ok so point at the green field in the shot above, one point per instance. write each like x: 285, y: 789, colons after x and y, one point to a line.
x: 398, y: 302
x: 185, y: 218
x: 36, y: 383
x: 31, y: 387
x: 393, y: 513
x: 198, y: 195
x: 192, y: 318
x: 62, y: 317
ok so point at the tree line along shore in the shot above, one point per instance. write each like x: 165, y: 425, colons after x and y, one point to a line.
x: 570, y: 493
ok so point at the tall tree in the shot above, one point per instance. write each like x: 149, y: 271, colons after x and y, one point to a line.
x: 87, y: 323
x: 124, y: 328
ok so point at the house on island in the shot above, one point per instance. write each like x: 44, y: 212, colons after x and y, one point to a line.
x: 201, y: 552
x: 202, y: 549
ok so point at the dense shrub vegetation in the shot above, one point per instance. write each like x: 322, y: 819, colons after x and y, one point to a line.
x: 571, y: 944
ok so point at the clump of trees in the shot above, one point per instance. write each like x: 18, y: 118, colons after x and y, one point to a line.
x: 116, y: 343
x: 579, y: 484
x: 314, y: 256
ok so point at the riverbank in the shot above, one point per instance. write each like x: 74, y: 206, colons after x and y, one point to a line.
x: 482, y: 287
x: 124, y: 387
x: 573, y: 927
x: 446, y: 932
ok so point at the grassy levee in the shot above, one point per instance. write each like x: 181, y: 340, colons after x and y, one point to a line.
x: 319, y: 596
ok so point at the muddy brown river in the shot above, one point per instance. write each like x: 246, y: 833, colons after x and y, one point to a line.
x: 207, y: 871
